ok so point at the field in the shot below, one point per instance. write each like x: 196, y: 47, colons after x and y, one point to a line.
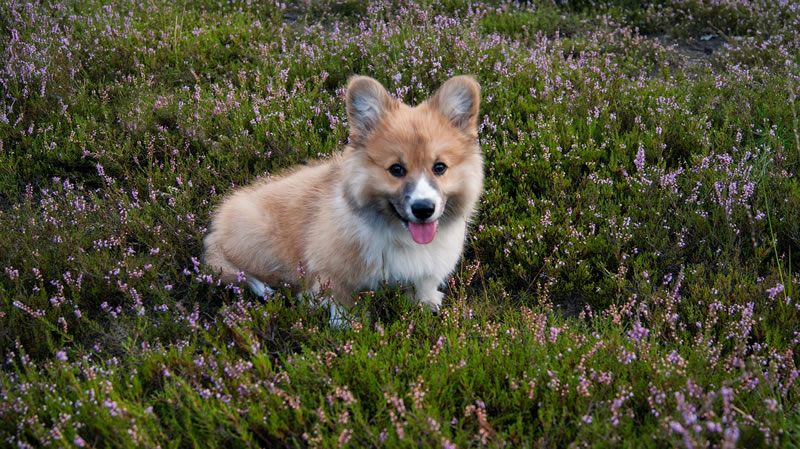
x: 631, y: 278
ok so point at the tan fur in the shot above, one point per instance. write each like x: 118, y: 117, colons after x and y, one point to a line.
x: 302, y: 228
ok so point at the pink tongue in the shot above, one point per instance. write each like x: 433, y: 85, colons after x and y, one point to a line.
x: 422, y: 232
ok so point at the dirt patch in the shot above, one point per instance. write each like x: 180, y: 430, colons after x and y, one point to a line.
x: 696, y: 50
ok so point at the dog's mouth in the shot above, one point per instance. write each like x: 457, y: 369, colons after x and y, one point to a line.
x: 422, y: 233
x: 396, y: 213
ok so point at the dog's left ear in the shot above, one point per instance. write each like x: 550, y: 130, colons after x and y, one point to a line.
x: 458, y: 100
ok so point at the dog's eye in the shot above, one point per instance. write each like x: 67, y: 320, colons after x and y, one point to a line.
x: 439, y: 168
x: 397, y: 170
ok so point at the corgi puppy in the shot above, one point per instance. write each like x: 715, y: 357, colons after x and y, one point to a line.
x: 393, y: 207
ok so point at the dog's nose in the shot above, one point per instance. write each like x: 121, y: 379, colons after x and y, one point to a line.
x: 422, y: 209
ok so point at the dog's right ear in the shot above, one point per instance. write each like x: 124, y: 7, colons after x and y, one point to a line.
x: 367, y: 102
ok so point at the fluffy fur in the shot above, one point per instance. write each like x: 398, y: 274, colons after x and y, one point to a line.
x: 346, y: 223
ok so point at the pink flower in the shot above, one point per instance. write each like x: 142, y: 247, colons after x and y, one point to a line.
x: 773, y: 292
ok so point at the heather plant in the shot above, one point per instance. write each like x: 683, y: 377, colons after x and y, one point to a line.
x: 630, y: 279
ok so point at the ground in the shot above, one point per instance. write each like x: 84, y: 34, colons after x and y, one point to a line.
x: 630, y: 279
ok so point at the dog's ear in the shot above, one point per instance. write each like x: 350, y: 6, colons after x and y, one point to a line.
x: 367, y: 103
x: 458, y: 100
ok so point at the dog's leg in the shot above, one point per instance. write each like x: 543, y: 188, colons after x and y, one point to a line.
x: 339, y: 306
x: 428, y: 295
x: 338, y: 318
x: 259, y: 288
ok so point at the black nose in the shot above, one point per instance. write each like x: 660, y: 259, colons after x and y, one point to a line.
x: 422, y: 209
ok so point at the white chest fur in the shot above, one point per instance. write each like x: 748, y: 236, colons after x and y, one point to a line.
x: 388, y: 252
x: 392, y: 255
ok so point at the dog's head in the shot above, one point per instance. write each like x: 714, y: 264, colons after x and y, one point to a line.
x: 418, y: 166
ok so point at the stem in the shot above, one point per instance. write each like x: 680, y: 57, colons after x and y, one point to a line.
x: 774, y: 244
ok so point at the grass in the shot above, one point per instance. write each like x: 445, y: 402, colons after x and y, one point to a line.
x: 627, y: 283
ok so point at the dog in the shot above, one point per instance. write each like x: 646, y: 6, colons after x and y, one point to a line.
x: 393, y: 207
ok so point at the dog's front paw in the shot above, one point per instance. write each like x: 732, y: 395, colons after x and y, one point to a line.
x: 338, y: 316
x: 434, y: 308
x: 259, y: 288
x: 433, y: 301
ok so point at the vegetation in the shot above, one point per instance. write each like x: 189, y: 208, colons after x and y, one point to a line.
x: 630, y: 281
